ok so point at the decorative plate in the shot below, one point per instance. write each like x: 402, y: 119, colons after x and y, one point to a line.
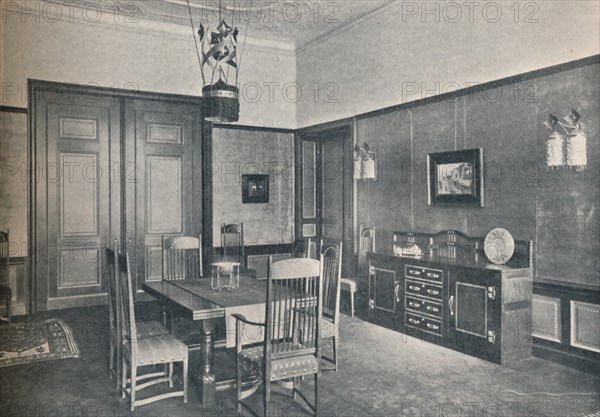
x: 499, y: 246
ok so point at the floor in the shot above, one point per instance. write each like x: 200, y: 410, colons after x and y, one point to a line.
x: 382, y: 373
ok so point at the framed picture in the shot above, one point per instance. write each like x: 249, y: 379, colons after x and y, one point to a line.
x: 455, y: 178
x: 255, y: 188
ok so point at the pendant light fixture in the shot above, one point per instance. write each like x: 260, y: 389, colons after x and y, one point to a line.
x: 217, y: 53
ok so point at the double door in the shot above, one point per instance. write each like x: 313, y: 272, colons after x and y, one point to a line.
x: 324, y: 179
x: 106, y: 168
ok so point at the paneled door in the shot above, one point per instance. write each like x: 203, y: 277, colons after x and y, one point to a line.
x: 325, y: 178
x: 74, y: 168
x: 163, y: 179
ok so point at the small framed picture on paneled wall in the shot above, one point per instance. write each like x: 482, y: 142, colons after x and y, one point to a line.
x: 255, y: 188
x: 455, y: 178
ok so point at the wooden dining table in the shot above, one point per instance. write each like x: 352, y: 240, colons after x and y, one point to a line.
x: 196, y: 300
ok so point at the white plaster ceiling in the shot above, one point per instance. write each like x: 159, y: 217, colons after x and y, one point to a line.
x: 291, y: 23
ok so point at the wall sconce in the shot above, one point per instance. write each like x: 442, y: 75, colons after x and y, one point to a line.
x: 365, y: 163
x: 569, y: 151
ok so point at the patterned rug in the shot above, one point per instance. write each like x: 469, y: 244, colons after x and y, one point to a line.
x: 32, y: 342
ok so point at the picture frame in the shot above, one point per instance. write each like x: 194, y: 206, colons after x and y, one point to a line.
x: 255, y: 188
x: 455, y: 178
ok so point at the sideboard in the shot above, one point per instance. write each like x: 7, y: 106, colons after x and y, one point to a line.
x: 452, y: 296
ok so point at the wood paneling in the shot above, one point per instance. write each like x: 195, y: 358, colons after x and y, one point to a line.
x: 546, y: 318
x: 78, y: 128
x: 585, y: 325
x: 164, y: 195
x: 558, y: 210
x: 78, y: 203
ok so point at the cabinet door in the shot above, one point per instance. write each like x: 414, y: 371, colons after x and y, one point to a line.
x: 474, y: 310
x: 163, y: 179
x: 383, y: 289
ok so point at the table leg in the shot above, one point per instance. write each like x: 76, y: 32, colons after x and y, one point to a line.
x: 207, y: 376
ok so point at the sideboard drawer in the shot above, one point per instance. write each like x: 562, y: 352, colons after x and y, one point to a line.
x: 423, y: 273
x: 424, y: 289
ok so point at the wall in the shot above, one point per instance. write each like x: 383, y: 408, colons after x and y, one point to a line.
x: 403, y: 53
x: 244, y: 151
x: 13, y: 180
x: 556, y: 209
x: 141, y: 55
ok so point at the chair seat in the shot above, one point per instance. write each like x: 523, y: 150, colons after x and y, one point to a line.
x: 251, y: 360
x: 150, y: 329
x: 158, y: 349
x: 348, y: 284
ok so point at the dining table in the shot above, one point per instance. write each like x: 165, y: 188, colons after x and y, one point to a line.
x: 196, y: 300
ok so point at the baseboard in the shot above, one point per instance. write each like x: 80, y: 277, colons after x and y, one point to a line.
x: 570, y: 359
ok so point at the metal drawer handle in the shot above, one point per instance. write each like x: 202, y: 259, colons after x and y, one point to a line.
x: 414, y: 271
x: 397, y: 291
x: 433, y: 309
x: 412, y: 304
x: 414, y: 321
x: 451, y: 305
x: 412, y: 287
x: 432, y: 326
x: 432, y: 275
x: 433, y: 292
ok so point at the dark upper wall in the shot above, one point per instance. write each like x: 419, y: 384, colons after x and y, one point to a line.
x: 556, y: 209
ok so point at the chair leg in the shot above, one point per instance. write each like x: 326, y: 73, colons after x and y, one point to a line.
x: 111, y: 361
x: 133, y: 385
x: 185, y: 380
x: 316, y: 395
x: 267, y: 397
x: 171, y: 375
x: 123, y: 377
x: 335, y: 351
x: 352, y: 303
x: 239, y: 387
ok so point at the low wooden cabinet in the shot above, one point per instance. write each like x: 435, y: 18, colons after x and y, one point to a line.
x: 477, y: 308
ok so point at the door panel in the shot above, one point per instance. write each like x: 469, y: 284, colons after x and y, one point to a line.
x: 325, y: 189
x: 82, y: 143
x: 164, y: 196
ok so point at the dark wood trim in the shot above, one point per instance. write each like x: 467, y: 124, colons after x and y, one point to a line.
x: 563, y: 352
x: 297, y: 186
x: 207, y: 194
x: 80, y: 89
x: 594, y: 59
x: 327, y: 127
x: 31, y: 197
x: 17, y: 260
x: 10, y: 109
x: 251, y: 128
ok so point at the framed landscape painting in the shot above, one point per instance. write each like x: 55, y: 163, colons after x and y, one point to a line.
x: 455, y: 178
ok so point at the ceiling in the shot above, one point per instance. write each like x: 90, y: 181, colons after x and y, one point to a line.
x: 293, y: 22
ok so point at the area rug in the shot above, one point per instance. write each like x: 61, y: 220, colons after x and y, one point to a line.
x: 32, y: 342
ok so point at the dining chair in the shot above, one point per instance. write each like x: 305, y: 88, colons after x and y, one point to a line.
x: 305, y: 248
x: 331, y: 253
x: 232, y: 246
x: 144, y: 328
x: 366, y: 243
x: 181, y: 257
x: 293, y: 306
x: 139, y: 352
x: 5, y: 289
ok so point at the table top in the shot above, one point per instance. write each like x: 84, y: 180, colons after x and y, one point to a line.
x: 196, y: 298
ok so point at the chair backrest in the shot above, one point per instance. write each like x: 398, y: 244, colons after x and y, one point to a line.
x: 305, y: 248
x: 181, y: 257
x: 4, y: 257
x: 294, y: 305
x: 366, y: 243
x: 112, y: 272
x: 125, y: 301
x: 331, y: 253
x: 232, y: 243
